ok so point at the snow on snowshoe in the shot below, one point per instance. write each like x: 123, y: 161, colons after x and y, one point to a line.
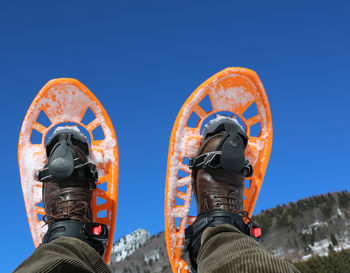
x: 61, y: 102
x: 239, y: 92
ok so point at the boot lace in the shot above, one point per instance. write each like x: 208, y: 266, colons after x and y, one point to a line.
x: 229, y: 201
x: 76, y: 211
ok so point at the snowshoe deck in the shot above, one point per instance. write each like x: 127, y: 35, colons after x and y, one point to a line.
x: 233, y: 90
x: 63, y: 101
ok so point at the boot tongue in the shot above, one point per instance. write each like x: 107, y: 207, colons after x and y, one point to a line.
x: 233, y: 157
x: 61, y: 163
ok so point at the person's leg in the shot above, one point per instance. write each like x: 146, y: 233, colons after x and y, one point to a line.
x: 65, y: 254
x: 73, y: 243
x: 220, y: 240
x: 226, y: 249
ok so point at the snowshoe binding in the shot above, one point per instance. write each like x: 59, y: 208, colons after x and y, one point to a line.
x: 68, y: 181
x: 237, y: 91
x: 218, y: 173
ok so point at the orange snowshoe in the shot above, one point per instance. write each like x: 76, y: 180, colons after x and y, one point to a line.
x: 68, y: 102
x: 235, y: 91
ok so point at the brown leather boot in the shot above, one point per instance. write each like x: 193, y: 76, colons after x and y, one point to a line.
x: 69, y: 199
x: 68, y: 182
x: 67, y: 187
x: 220, y: 166
x: 218, y: 173
x: 225, y: 194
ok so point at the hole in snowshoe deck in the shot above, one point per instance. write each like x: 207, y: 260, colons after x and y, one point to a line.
x: 177, y: 222
x: 81, y: 128
x: 179, y: 202
x: 88, y: 117
x: 205, y: 104
x: 193, y: 120
x: 185, y: 161
x: 102, y: 186
x: 36, y: 137
x: 183, y: 189
x: 43, y: 119
x: 222, y: 113
x: 98, y: 134
x: 247, y: 184
x: 102, y: 213
x: 182, y: 174
x: 255, y: 130
x: 40, y: 217
x: 40, y: 204
x: 193, y: 208
x: 251, y: 111
x: 100, y: 201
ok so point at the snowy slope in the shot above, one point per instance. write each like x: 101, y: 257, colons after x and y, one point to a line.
x: 129, y: 244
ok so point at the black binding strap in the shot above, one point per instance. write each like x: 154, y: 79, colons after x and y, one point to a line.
x: 213, y: 160
x: 88, y: 168
x: 193, y: 233
x: 64, y: 162
x: 229, y: 154
x: 95, y: 234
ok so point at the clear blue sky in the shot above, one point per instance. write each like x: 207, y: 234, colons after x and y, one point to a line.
x: 142, y: 59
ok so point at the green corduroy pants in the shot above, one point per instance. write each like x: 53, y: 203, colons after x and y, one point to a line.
x: 224, y: 250
x: 64, y: 254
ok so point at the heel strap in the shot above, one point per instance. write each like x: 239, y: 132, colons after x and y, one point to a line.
x: 95, y: 234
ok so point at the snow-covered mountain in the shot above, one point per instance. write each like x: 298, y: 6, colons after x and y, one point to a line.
x: 128, y: 245
x: 310, y: 226
x: 151, y: 257
x: 295, y: 231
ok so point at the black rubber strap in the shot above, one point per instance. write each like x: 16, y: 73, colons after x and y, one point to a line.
x: 229, y: 154
x: 193, y: 233
x: 88, y: 168
x: 79, y: 230
x: 229, y: 130
x: 203, y: 162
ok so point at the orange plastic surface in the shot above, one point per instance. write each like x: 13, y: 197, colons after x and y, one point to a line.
x: 235, y: 90
x: 67, y: 100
